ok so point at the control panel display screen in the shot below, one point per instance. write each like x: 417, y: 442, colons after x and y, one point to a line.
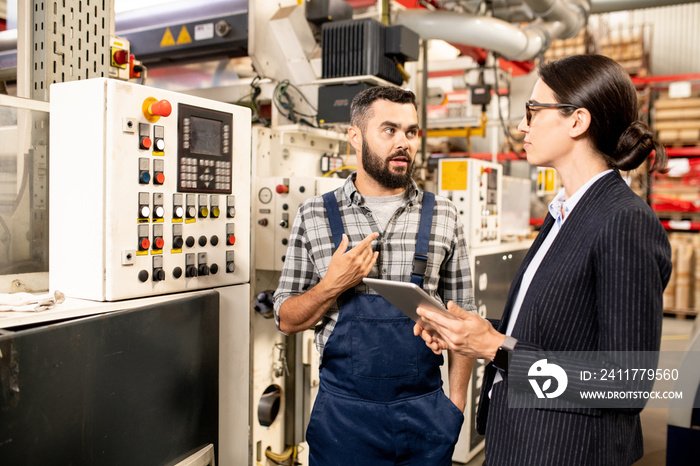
x: 204, y: 150
x: 205, y: 136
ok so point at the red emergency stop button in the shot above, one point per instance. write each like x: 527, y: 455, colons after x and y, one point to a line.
x: 145, y: 142
x: 282, y: 189
x: 153, y: 109
x: 120, y: 57
x: 160, y: 243
x: 160, y: 108
x: 231, y: 240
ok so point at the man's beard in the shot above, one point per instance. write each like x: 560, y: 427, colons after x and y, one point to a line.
x: 381, y: 170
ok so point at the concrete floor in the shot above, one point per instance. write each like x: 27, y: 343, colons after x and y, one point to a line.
x: 676, y: 337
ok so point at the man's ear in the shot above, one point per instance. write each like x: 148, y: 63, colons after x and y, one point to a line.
x: 581, y: 122
x: 355, y: 138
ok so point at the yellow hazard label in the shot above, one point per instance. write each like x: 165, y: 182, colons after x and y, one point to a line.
x: 157, y: 251
x: 184, y: 37
x: 141, y: 253
x: 190, y: 220
x: 454, y: 176
x: 167, y: 39
x: 176, y: 251
x: 177, y: 220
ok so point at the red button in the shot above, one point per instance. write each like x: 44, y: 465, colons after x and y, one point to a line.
x: 160, y: 178
x: 146, y: 142
x: 160, y: 108
x: 120, y: 57
x: 231, y: 240
x: 282, y: 189
x: 159, y: 243
x: 145, y: 244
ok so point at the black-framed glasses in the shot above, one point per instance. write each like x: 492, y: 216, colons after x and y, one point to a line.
x: 530, y: 105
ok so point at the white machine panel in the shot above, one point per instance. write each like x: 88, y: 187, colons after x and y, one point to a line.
x: 150, y: 191
x: 475, y: 187
x: 277, y: 202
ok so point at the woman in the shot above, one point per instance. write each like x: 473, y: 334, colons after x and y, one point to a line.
x: 592, y: 281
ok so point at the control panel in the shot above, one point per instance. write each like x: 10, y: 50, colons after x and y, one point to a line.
x: 475, y: 187
x: 277, y: 202
x: 149, y: 193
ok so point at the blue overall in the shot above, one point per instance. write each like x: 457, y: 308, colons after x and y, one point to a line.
x: 380, y: 400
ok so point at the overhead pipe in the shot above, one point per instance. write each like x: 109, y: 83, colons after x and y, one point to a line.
x: 508, y: 40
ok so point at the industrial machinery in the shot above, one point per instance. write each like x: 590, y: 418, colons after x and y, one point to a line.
x: 149, y: 195
x: 475, y: 187
x: 156, y: 380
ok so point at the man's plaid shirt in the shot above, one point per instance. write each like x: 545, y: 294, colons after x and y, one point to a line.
x: 447, y: 277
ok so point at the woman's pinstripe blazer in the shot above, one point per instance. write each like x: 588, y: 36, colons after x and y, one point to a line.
x: 599, y: 288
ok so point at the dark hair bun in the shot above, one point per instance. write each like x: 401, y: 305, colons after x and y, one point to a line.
x: 633, y: 147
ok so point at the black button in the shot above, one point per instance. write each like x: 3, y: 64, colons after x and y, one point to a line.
x: 202, y: 241
x: 213, y: 269
x: 177, y: 272
x: 214, y: 240
x: 177, y: 242
x: 143, y: 276
x: 189, y: 241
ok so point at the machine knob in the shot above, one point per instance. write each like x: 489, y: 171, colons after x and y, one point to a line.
x: 284, y: 223
x: 284, y: 241
x: 177, y: 272
x: 158, y: 275
x: 161, y: 108
x: 159, y: 243
x: 213, y: 269
x: 262, y: 222
x: 189, y: 241
x: 204, y: 270
x: 230, y: 267
x: 177, y: 242
x: 160, y: 144
x: 160, y: 211
x: 144, y: 211
x: 160, y: 178
x: 202, y: 241
x: 214, y: 240
x: 191, y: 271
x: 179, y: 211
x: 215, y: 212
x: 143, y: 276
x: 282, y: 189
x: 231, y: 240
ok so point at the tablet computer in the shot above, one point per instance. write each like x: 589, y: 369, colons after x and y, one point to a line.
x: 406, y: 296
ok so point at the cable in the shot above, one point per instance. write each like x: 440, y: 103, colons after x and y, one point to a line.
x: 344, y: 167
x: 284, y: 103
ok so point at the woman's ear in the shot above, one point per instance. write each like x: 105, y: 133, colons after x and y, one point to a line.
x: 581, y: 122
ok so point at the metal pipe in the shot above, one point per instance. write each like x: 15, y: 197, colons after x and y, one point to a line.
x: 494, y: 34
x: 607, y: 6
x: 572, y: 15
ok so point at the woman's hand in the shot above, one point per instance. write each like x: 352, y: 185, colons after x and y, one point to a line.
x: 464, y: 332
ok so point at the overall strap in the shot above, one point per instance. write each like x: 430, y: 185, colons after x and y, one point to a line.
x: 334, y: 218
x: 420, y: 258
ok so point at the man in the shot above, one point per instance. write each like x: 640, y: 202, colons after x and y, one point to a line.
x: 380, y: 400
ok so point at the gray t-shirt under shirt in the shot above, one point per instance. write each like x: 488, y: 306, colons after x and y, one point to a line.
x: 384, y: 207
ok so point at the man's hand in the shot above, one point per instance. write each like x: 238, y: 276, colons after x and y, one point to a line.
x: 348, y: 268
